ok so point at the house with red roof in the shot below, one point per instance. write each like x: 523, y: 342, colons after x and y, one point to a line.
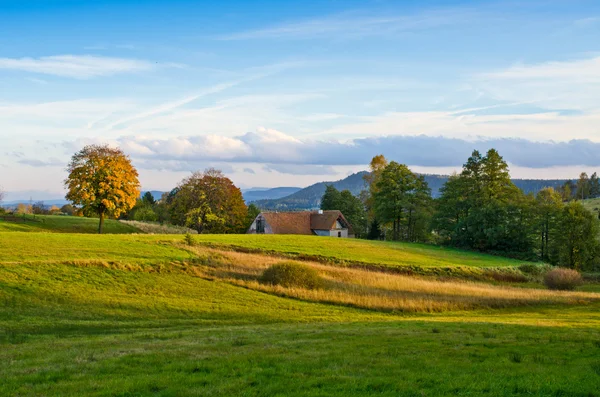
x: 319, y: 223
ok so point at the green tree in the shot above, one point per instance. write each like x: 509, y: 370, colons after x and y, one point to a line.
x: 549, y: 209
x: 578, y: 238
x: 351, y: 206
x: 583, y: 187
x: 145, y: 214
x: 594, y: 186
x: 209, y: 202
x: 253, y: 212
x: 67, y: 209
x: 331, y: 199
x: 102, y: 181
x: 148, y: 199
x: 400, y: 198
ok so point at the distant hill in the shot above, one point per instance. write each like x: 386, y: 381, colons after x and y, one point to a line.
x: 252, y: 195
x: 310, y: 197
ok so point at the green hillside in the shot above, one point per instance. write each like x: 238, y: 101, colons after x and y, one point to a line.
x: 61, y: 224
x: 53, y: 247
x: 90, y: 330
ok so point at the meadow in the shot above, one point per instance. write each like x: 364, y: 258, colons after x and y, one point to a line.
x: 137, y: 315
x: 63, y: 224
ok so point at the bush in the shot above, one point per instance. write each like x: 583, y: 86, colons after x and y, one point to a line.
x: 562, y: 279
x: 292, y: 274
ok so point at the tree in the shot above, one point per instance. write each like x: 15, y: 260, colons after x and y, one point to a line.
x: 549, y: 208
x: 583, y: 187
x: 209, y: 202
x: 39, y: 208
x: 400, y: 197
x: 594, y: 186
x: 102, y: 181
x: 145, y: 214
x: 351, y: 206
x: 482, y: 209
x: 253, y: 212
x: 67, y: 209
x: 331, y: 199
x: 148, y: 199
x: 578, y: 236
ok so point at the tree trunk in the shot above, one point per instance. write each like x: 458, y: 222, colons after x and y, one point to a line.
x: 101, y: 223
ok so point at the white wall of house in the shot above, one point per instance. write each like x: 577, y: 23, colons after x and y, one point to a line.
x: 339, y: 233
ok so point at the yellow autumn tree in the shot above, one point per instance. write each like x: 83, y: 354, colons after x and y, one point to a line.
x: 102, y: 181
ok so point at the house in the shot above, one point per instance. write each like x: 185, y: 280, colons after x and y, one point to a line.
x: 320, y: 223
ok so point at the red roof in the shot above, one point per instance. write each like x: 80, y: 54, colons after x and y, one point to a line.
x: 303, y: 222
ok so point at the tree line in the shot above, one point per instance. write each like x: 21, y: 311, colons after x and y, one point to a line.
x: 481, y: 209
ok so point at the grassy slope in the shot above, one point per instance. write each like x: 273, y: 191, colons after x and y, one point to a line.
x: 66, y: 224
x: 127, y: 248
x: 74, y: 330
x: 354, y: 250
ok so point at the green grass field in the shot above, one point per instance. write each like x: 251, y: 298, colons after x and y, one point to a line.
x: 72, y: 330
x: 359, y: 251
x: 64, y: 224
x: 144, y: 315
x: 53, y: 247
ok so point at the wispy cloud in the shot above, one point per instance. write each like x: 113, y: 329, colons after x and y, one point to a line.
x: 247, y: 76
x: 573, y: 84
x: 356, y: 25
x: 76, y: 66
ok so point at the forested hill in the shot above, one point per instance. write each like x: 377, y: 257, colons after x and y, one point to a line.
x: 310, y: 197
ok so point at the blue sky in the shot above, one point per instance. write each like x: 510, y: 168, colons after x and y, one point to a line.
x: 290, y: 93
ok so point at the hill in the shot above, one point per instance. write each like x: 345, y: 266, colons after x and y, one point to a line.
x: 310, y: 197
x: 268, y: 194
x: 62, y: 224
x: 148, y: 315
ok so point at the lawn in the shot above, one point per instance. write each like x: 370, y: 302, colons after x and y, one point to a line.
x: 88, y: 330
x: 64, y: 224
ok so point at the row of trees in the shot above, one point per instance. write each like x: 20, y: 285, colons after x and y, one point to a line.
x: 103, y: 182
x: 481, y: 209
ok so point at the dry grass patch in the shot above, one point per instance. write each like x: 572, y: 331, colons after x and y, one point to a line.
x: 377, y: 290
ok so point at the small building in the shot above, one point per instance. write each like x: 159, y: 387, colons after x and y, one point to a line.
x: 320, y: 223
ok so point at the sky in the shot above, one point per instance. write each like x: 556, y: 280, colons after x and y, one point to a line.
x: 282, y: 93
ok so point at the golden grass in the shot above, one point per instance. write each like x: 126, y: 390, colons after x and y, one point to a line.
x: 379, y: 291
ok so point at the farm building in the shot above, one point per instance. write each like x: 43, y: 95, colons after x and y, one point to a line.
x: 320, y: 223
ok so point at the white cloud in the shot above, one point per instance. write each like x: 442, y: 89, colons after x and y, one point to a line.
x: 76, y: 66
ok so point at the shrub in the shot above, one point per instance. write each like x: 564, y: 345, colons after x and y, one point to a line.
x: 292, y: 274
x: 189, y: 240
x: 562, y: 279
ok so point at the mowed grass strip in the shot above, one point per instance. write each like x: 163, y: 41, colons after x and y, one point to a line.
x: 64, y: 224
